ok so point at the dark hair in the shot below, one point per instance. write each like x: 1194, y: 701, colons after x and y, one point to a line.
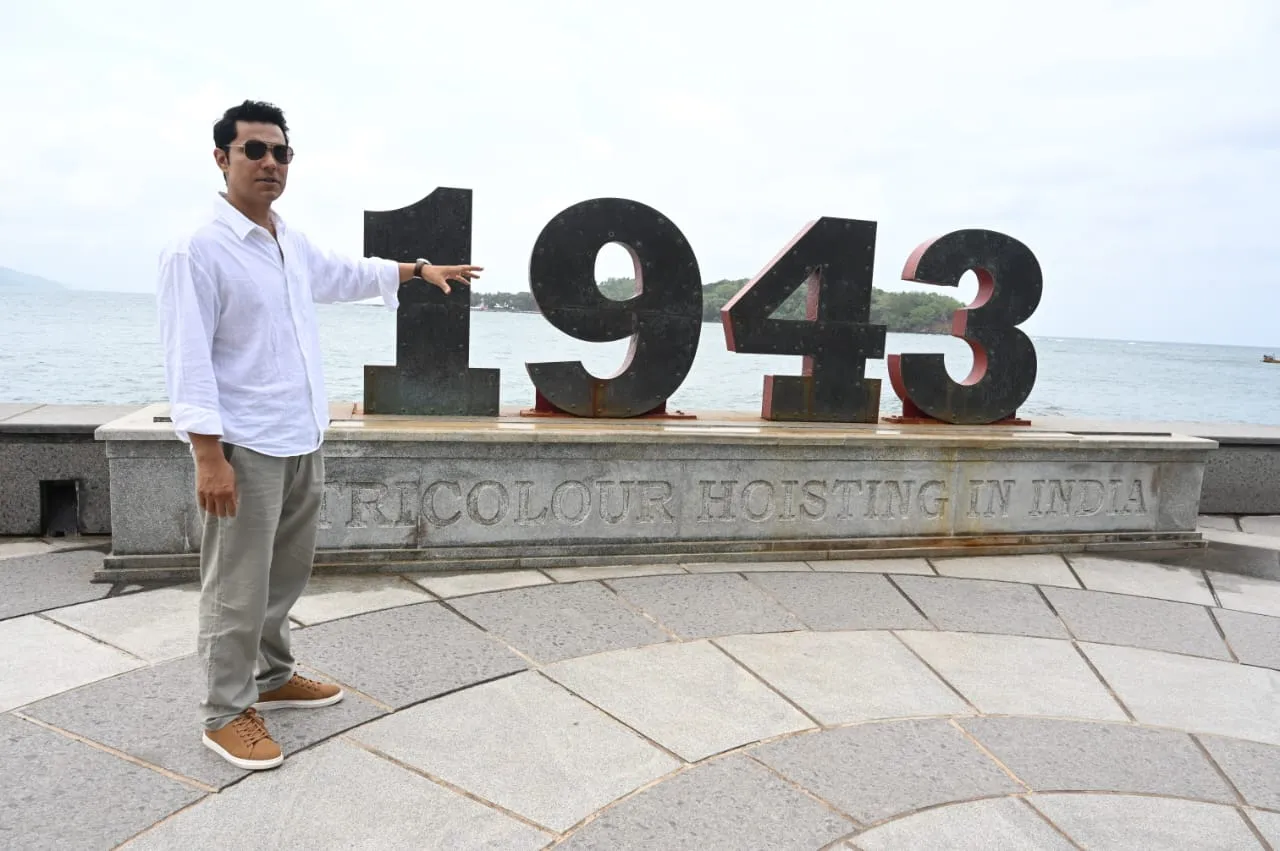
x: 224, y: 131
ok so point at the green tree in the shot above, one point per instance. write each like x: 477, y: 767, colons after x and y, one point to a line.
x: 899, y: 312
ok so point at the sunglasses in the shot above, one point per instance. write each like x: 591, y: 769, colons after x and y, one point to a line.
x: 256, y: 150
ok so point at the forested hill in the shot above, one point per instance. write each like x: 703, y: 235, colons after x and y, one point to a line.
x: 900, y: 312
x: 11, y: 280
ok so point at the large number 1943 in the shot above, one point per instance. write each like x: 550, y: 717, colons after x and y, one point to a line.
x: 833, y: 258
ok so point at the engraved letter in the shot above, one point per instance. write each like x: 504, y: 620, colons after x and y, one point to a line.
x: 1002, y: 491
x: 408, y: 502
x: 625, y: 489
x: 366, y: 502
x: 1136, y: 496
x: 661, y: 500
x: 936, y: 504
x: 1086, y: 509
x: 523, y: 498
x: 846, y: 492
x: 749, y: 491
x: 725, y: 501
x: 429, y: 503
x: 560, y: 495
x: 1060, y: 489
x: 871, y: 497
x: 814, y: 490
x: 788, y: 511
x: 473, y: 502
x: 897, y: 494
x: 1037, y: 486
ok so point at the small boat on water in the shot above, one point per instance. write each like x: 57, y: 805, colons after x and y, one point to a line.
x: 1270, y: 359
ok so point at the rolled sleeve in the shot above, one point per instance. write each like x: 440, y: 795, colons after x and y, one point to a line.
x: 187, y: 302
x: 334, y: 277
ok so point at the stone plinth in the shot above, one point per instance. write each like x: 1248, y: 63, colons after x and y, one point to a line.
x: 54, y: 444
x: 489, y: 492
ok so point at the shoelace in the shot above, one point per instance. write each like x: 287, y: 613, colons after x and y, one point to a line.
x: 304, y: 682
x: 251, y: 728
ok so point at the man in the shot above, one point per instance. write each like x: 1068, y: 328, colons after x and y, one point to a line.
x: 246, y: 391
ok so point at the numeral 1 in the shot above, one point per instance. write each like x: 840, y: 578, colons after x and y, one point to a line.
x: 1004, y: 358
x: 432, y: 373
x: 663, y: 319
x: 834, y: 258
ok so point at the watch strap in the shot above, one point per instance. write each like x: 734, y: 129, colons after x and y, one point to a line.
x: 417, y: 267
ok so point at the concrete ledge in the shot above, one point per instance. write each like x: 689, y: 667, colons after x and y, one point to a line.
x: 54, y: 444
x: 185, y: 567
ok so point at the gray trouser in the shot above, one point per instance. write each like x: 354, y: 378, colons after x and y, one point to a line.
x: 253, y: 568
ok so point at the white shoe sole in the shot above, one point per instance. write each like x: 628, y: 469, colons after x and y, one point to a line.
x: 246, y: 764
x: 299, y: 704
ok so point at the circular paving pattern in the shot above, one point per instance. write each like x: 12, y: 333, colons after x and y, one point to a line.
x: 1017, y: 702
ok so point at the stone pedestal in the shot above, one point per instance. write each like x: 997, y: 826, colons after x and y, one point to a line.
x: 446, y: 493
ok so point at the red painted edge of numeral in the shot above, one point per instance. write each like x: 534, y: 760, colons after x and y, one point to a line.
x: 725, y: 322
x: 959, y: 325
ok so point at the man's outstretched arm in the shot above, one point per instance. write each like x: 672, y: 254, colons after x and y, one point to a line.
x: 335, y: 277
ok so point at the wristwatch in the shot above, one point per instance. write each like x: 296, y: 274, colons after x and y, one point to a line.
x: 417, y: 267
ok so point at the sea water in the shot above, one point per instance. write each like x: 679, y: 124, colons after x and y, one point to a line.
x: 81, y: 347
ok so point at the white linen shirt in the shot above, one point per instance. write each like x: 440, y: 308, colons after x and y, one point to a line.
x: 238, y: 323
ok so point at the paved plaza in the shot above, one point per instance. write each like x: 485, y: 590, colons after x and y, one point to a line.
x: 1016, y: 702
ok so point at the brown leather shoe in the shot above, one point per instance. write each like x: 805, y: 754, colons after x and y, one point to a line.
x: 299, y: 693
x: 245, y: 743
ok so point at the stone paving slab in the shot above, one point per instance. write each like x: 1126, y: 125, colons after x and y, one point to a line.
x: 1253, y: 767
x: 561, y: 621
x: 747, y: 567
x: 999, y: 824
x: 425, y: 653
x: 433, y: 652
x: 58, y: 793
x: 1138, y: 622
x: 156, y: 626
x: 13, y: 409
x: 840, y: 601
x: 1223, y: 522
x: 690, y: 698
x: 37, y: 582
x: 707, y: 605
x: 1038, y: 569
x: 1247, y: 594
x: 1262, y: 524
x: 1137, y: 822
x: 1048, y: 754
x: 724, y: 805
x: 874, y: 771
x: 39, y: 658
x: 1254, y: 638
x: 494, y: 739
x: 478, y: 581
x: 64, y: 418
x: 1143, y: 579
x: 1017, y: 675
x: 23, y: 548
x: 328, y: 598
x: 342, y: 797
x: 153, y: 714
x: 918, y: 566
x: 983, y: 605
x: 846, y: 677
x: 615, y: 571
x: 1268, y: 825
x: 1199, y: 695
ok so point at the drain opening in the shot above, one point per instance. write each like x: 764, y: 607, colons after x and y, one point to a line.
x: 60, y: 508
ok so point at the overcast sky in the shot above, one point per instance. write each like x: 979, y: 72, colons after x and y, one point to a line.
x: 1134, y: 146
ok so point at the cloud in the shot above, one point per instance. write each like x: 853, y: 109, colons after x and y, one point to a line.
x: 1125, y: 142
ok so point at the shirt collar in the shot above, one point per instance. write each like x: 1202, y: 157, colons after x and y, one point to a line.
x: 239, y: 223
